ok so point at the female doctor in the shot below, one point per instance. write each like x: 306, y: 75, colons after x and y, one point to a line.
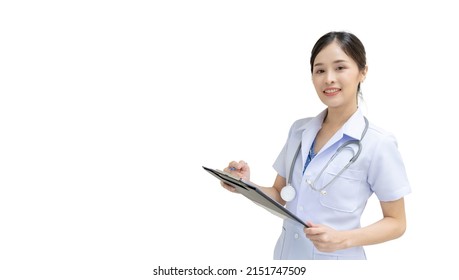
x: 332, y: 163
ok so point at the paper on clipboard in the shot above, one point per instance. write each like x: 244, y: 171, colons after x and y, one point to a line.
x: 255, y: 194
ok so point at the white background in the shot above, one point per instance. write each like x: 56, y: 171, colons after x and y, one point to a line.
x: 108, y: 110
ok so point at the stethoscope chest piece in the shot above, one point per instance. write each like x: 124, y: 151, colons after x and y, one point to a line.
x: 288, y: 193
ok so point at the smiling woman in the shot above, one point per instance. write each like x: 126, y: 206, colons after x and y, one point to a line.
x: 338, y: 67
x: 344, y: 160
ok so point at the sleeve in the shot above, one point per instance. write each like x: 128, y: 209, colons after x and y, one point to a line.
x: 280, y: 165
x: 387, y: 175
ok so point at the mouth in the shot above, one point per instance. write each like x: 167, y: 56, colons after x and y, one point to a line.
x: 331, y: 91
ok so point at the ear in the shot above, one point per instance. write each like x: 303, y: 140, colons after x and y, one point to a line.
x: 363, y: 74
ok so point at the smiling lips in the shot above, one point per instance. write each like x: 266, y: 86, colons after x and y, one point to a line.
x: 331, y: 91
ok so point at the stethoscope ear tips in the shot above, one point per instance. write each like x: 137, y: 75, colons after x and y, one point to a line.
x: 288, y: 193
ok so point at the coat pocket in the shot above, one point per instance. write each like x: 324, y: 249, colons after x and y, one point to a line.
x: 347, y: 192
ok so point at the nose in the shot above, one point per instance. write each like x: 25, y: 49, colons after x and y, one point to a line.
x: 330, y: 77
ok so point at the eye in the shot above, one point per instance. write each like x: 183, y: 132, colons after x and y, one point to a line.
x: 319, y: 71
x: 339, y: 68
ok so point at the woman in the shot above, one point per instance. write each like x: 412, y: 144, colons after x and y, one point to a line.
x: 325, y: 187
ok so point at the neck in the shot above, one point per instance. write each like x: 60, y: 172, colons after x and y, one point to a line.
x: 338, y: 116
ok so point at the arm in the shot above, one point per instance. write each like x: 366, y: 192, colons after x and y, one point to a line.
x: 391, y: 226
x: 274, y: 191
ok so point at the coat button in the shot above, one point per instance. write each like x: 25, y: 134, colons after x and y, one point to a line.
x: 297, y: 235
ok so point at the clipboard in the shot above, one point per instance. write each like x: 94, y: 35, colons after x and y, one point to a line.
x: 253, y: 193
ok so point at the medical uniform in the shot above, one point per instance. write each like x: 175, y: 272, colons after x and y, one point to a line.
x: 379, y: 169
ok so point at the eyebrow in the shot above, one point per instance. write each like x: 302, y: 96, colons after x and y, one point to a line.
x: 334, y: 62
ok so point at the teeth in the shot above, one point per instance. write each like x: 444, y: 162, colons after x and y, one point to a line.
x: 331, y: 90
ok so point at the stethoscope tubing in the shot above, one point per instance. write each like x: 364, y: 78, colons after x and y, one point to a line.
x: 338, y: 151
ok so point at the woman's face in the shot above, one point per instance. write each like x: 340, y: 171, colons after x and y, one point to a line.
x: 336, y: 77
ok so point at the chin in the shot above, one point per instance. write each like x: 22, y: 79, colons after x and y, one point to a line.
x: 332, y: 103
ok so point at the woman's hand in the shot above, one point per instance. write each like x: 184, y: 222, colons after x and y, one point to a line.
x: 238, y: 169
x: 392, y: 226
x: 324, y: 238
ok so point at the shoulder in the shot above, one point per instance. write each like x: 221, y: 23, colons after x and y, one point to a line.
x: 379, y: 137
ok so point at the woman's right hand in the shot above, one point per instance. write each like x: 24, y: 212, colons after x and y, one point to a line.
x: 237, y: 169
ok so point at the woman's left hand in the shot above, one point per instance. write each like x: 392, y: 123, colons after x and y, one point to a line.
x: 324, y: 238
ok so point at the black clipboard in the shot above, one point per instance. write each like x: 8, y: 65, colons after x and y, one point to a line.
x: 255, y: 194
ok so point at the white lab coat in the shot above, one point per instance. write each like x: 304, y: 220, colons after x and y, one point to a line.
x: 379, y: 169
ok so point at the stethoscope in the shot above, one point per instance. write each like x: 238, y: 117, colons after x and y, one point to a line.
x: 288, y: 192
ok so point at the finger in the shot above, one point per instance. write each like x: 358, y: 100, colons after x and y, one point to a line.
x: 311, y: 224
x: 239, y: 166
x: 233, y: 165
x: 228, y: 187
x: 313, y: 237
x: 236, y: 168
x: 243, y: 165
x: 313, y: 229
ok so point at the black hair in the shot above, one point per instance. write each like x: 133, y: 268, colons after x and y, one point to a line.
x: 348, y: 42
